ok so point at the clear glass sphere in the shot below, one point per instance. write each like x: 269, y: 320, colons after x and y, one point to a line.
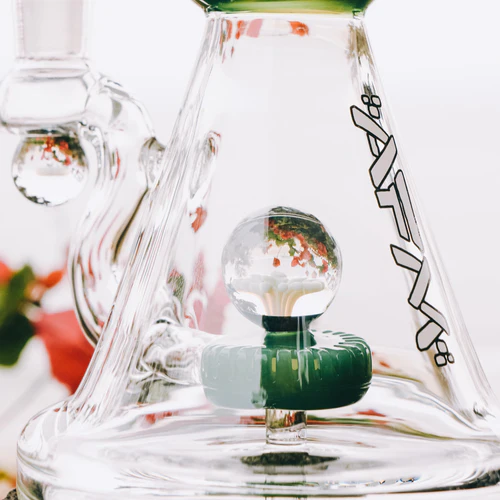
x: 281, y: 263
x: 50, y: 169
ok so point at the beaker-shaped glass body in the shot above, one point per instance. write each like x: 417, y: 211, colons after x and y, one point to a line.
x: 284, y: 326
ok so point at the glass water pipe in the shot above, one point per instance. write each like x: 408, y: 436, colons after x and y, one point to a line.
x: 283, y: 327
x: 76, y: 126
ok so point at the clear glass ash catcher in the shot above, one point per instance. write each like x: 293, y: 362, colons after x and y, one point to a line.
x: 283, y: 326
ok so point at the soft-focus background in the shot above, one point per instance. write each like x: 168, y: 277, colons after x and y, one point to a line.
x: 438, y: 62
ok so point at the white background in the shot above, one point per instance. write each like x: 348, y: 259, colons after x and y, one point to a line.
x: 439, y: 66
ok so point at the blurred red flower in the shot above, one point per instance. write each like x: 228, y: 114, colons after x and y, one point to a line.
x: 253, y: 30
x: 52, y: 279
x: 299, y: 28
x: 5, y: 273
x: 69, y: 351
x: 201, y: 215
x: 241, y: 27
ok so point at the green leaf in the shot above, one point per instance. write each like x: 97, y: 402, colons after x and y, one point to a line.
x: 15, y: 328
x: 178, y: 284
x: 15, y: 332
x: 12, y: 298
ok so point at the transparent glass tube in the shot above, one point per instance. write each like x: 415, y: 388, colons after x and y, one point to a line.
x: 53, y: 29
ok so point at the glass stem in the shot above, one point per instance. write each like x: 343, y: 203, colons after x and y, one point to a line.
x: 285, y: 426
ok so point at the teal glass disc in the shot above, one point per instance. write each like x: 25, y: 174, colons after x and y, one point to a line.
x: 334, y: 370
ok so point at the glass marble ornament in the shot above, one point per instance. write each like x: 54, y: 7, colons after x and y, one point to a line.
x: 275, y: 260
x: 283, y: 327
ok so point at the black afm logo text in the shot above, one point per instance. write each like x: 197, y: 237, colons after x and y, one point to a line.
x: 392, y: 192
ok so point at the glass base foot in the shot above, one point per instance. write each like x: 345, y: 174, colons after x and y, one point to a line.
x: 156, y: 452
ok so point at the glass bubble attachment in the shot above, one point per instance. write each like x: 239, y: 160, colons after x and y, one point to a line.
x: 50, y: 168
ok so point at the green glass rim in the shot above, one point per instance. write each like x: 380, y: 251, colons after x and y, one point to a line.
x: 286, y: 6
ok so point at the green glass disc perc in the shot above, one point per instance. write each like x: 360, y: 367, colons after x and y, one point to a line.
x: 281, y: 376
